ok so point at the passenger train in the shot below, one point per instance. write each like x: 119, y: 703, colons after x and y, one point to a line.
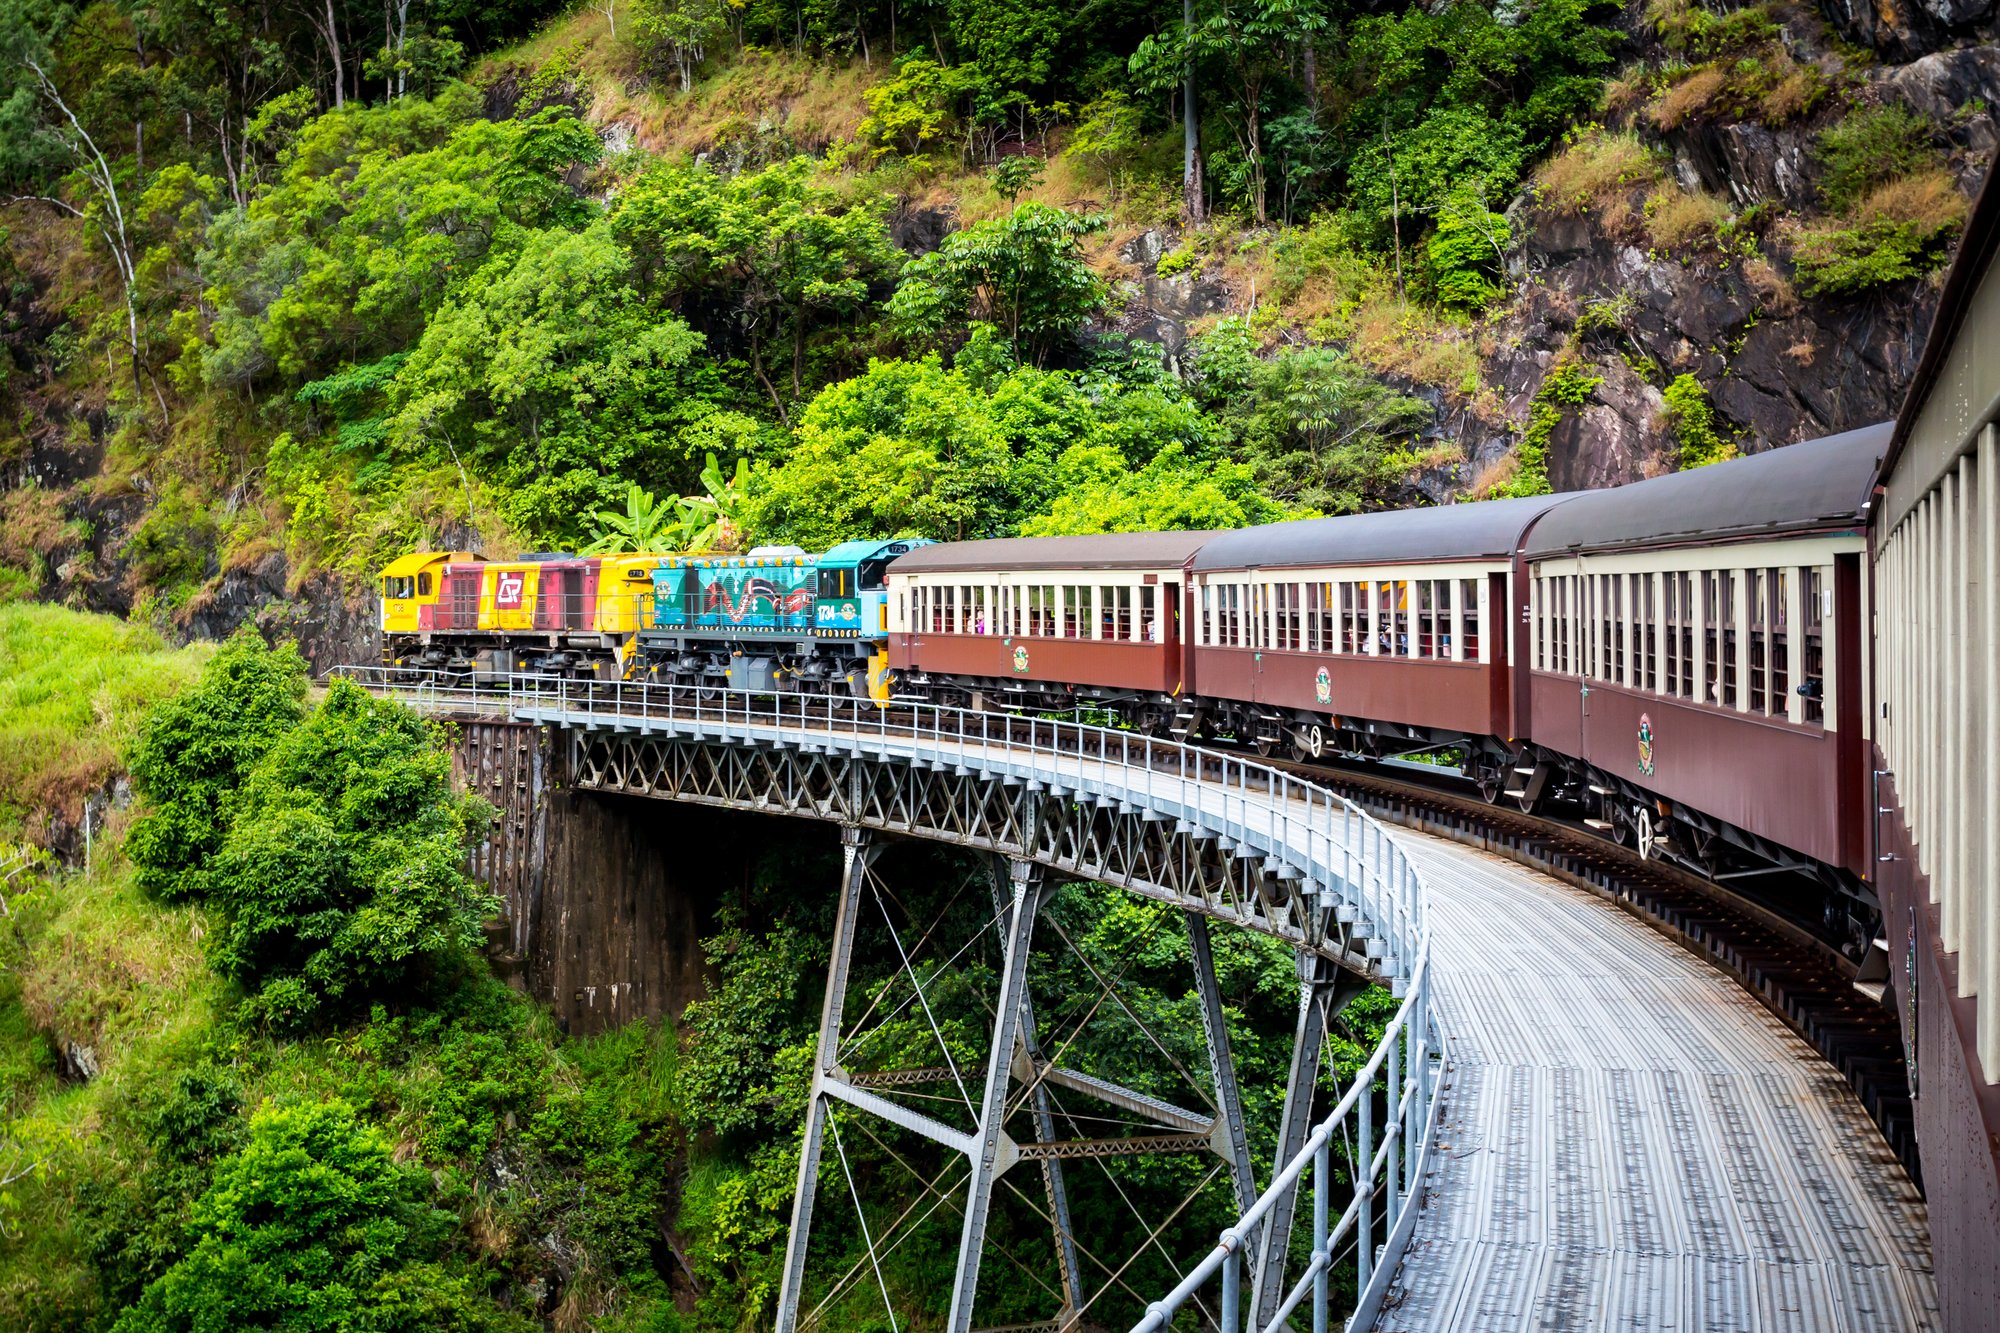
x: 1679, y: 662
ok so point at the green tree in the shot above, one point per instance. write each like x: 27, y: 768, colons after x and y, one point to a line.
x: 552, y: 375
x: 196, y: 751
x: 786, y: 255
x: 1025, y: 273
x: 1321, y: 431
x: 1100, y: 491
x: 311, y: 1226
x: 342, y: 878
x: 379, y: 213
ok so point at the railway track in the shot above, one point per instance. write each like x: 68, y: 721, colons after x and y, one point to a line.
x: 1797, y: 977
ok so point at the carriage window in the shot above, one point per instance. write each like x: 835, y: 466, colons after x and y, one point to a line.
x: 978, y: 625
x: 1721, y: 622
x: 1781, y: 665
x: 1812, y: 668
x: 1649, y: 635
x: 1614, y: 627
x: 1671, y: 647
x: 1758, y: 637
x: 1467, y: 607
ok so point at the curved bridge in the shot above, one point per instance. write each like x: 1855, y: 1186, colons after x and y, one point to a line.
x: 1218, y: 837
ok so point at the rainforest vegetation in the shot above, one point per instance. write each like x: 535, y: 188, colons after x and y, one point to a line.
x: 302, y: 284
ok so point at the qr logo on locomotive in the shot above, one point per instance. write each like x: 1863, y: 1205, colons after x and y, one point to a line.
x: 507, y: 591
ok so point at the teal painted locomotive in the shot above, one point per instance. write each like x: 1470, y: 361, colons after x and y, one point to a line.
x: 775, y: 619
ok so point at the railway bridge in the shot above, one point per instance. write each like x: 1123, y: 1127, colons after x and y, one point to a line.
x: 1574, y: 1123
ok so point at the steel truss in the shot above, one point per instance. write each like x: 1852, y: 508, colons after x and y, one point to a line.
x: 1019, y: 1080
x: 1077, y: 833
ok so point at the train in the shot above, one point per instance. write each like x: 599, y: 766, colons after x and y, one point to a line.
x: 1679, y: 662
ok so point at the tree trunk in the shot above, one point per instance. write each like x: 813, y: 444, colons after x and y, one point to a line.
x: 333, y: 46
x: 1312, y: 76
x: 1194, y: 207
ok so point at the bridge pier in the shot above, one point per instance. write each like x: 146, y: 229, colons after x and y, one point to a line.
x: 1028, y: 1064
x: 857, y: 849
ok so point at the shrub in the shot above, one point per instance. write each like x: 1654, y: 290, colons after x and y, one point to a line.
x: 1691, y: 97
x: 1870, y: 148
x: 310, y: 1226
x: 1691, y: 417
x: 196, y: 750
x: 1566, y: 386
x: 1900, y: 231
x: 1025, y: 272
x: 342, y: 878
x: 1465, y: 256
x: 1677, y: 217
x: 1595, y: 169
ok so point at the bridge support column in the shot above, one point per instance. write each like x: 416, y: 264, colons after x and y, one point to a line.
x: 1324, y: 990
x: 1231, y: 1142
x: 1028, y: 1062
x: 990, y: 1141
x: 856, y: 850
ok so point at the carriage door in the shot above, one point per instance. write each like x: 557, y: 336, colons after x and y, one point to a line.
x: 1255, y: 596
x: 465, y: 600
x: 571, y: 608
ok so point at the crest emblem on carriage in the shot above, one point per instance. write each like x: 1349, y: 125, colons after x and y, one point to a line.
x: 1323, y: 686
x: 1021, y: 657
x: 1646, y: 744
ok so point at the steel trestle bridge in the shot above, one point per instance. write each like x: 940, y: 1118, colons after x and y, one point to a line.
x: 1221, y: 838
x: 1568, y: 1194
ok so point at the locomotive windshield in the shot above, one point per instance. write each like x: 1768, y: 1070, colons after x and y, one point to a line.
x: 871, y: 574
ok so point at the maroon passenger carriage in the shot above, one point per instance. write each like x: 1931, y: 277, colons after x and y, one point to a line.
x: 1371, y: 634
x: 1696, y: 658
x: 1045, y: 623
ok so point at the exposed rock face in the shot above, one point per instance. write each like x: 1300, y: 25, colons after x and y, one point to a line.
x: 1905, y: 30
x: 1160, y: 309
x: 1782, y: 369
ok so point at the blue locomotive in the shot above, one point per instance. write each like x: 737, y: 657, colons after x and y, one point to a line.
x: 775, y: 619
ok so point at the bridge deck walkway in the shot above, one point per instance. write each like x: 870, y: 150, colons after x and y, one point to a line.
x: 1628, y: 1141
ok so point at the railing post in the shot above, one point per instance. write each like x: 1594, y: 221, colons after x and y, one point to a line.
x: 1322, y: 1259
x: 1364, y: 1189
x: 1232, y: 1284
x: 1392, y: 1125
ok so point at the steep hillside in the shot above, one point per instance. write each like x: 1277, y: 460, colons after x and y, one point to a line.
x: 438, y: 279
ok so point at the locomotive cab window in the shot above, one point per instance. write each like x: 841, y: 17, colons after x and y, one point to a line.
x: 399, y: 587
x: 836, y: 583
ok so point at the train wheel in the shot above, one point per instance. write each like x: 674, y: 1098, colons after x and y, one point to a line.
x: 1309, y: 742
x: 1264, y: 745
x: 1644, y: 837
